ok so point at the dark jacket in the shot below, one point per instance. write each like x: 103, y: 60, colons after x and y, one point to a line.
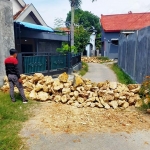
x: 11, y: 66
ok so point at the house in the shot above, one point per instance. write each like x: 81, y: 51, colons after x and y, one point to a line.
x: 32, y: 34
x: 113, y: 25
x: 26, y: 13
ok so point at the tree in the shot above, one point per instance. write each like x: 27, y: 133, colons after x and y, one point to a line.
x: 84, y: 20
x: 74, y: 4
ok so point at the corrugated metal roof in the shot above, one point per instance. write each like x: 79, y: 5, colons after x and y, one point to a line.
x: 34, y: 26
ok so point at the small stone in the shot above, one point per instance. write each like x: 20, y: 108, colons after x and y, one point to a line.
x: 78, y: 81
x: 125, y: 105
x: 63, y: 77
x: 57, y: 98
x: 139, y: 103
x: 66, y: 90
x: 92, y: 105
x: 114, y: 104
x: 64, y: 99
x: 76, y: 93
x: 80, y: 100
x: 113, y: 85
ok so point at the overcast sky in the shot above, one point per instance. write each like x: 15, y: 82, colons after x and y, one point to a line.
x: 51, y: 9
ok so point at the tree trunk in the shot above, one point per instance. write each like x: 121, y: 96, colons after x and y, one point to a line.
x: 72, y: 26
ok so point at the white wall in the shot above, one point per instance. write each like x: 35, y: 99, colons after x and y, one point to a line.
x: 29, y: 19
x: 16, y: 6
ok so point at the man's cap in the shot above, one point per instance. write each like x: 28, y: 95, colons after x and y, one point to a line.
x: 12, y: 51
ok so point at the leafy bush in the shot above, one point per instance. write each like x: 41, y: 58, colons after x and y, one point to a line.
x: 121, y: 75
x: 145, y: 92
x: 66, y: 48
x: 103, y: 58
x: 84, y: 69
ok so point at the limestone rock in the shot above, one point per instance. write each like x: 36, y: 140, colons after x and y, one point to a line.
x: 66, y: 90
x: 92, y: 105
x: 121, y: 102
x: 108, y: 97
x: 63, y: 77
x: 78, y: 81
x: 139, y: 103
x: 37, y: 77
x: 114, y: 104
x: 43, y: 96
x: 57, y: 98
x: 113, y: 85
x: 57, y: 85
x: 146, y: 101
x: 38, y: 87
x: 125, y: 105
x: 33, y: 95
x: 106, y: 106
x: 76, y: 93
x: 80, y: 100
x: 64, y: 99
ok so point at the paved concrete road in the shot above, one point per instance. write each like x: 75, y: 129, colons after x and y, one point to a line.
x: 86, y: 141
x: 99, y: 73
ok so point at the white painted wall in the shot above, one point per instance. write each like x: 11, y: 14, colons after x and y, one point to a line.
x: 29, y: 19
x: 16, y: 6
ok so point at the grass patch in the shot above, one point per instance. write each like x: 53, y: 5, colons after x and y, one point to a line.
x: 12, y: 115
x: 121, y: 75
x: 103, y: 58
x: 84, y: 69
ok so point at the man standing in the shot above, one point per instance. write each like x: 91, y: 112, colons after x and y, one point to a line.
x: 12, y: 72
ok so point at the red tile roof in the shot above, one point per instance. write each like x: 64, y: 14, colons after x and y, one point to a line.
x: 19, y: 12
x: 64, y: 29
x: 130, y: 21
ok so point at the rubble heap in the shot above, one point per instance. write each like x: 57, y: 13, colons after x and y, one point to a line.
x: 79, y: 92
x: 95, y: 60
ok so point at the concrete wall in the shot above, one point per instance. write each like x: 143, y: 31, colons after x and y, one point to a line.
x: 134, y: 54
x: 6, y: 34
x: 108, y: 49
x: 48, y: 46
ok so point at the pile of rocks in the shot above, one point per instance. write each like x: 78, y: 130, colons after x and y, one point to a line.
x: 94, y: 60
x: 79, y: 92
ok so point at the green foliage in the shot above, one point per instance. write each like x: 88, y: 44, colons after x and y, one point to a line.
x: 145, y: 92
x: 66, y: 48
x: 85, y: 20
x: 12, y: 115
x: 81, y: 37
x: 75, y: 3
x: 121, y: 75
x: 84, y: 69
x: 103, y: 58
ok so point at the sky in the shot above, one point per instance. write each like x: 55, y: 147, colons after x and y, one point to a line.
x: 52, y: 9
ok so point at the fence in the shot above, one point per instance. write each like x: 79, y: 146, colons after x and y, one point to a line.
x: 134, y: 54
x: 47, y: 63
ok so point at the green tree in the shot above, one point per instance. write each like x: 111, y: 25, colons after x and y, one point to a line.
x: 74, y: 4
x: 84, y: 20
x: 81, y: 38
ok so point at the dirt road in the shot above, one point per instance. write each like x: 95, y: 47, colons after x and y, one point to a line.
x: 62, y: 127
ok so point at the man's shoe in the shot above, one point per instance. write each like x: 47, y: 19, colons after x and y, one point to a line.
x: 13, y: 101
x: 25, y: 101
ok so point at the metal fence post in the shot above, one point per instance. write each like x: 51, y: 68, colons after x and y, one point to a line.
x: 69, y: 62
x: 20, y: 64
x: 135, y: 55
